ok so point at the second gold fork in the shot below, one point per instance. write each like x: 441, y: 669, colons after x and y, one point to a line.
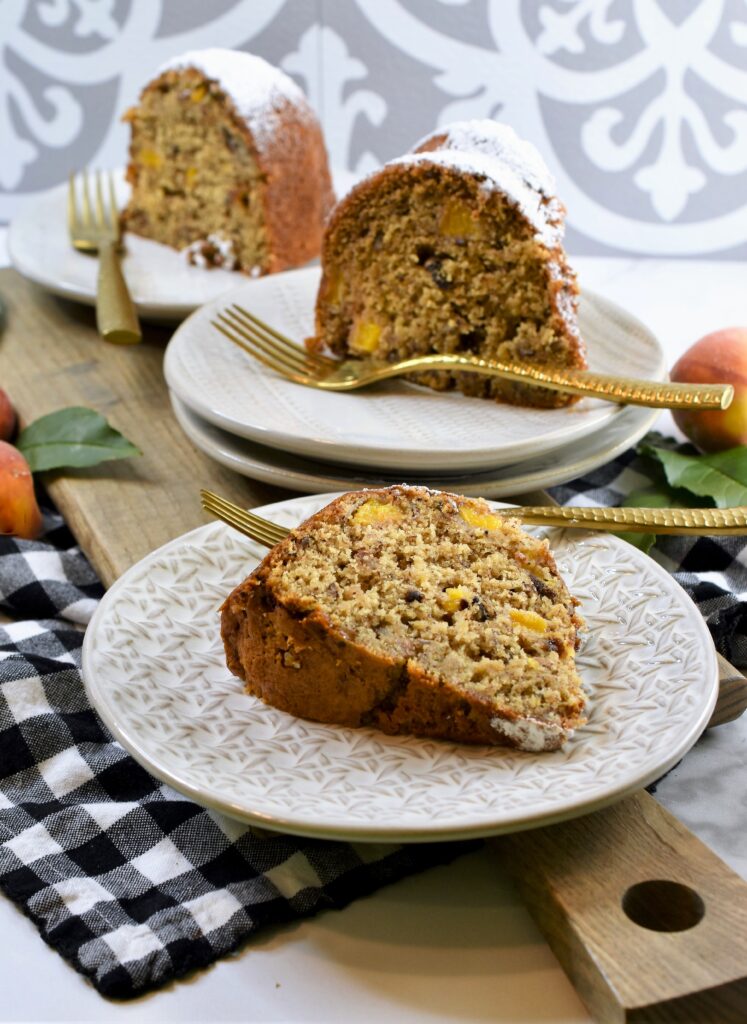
x: 692, y: 522
x: 279, y: 353
x: 94, y: 228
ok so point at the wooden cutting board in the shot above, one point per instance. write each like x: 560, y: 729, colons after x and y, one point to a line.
x: 52, y: 357
x: 578, y: 877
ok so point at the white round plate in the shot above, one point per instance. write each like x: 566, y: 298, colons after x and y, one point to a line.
x: 162, y: 283
x: 273, y: 466
x: 155, y: 671
x: 396, y: 425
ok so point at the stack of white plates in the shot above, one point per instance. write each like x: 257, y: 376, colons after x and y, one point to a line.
x: 250, y: 419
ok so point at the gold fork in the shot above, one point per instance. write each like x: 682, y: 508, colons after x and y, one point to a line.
x: 97, y: 231
x: 279, y: 353
x: 693, y: 522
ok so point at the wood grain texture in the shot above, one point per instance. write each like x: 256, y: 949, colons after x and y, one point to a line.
x: 732, y: 694
x: 51, y: 356
x: 573, y: 877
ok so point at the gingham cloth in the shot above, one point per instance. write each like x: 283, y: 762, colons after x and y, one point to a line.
x: 135, y: 885
x: 132, y: 883
x: 713, y: 572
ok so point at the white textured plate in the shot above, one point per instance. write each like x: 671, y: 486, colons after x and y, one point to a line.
x: 298, y: 474
x: 154, y: 669
x: 162, y: 284
x: 396, y: 425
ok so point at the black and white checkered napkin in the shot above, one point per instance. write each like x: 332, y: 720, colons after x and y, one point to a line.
x: 132, y: 883
x: 713, y: 572
x: 128, y: 880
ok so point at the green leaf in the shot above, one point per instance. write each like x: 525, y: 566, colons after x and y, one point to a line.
x: 643, y: 541
x: 656, y: 440
x: 721, y: 476
x: 650, y: 497
x: 72, y: 437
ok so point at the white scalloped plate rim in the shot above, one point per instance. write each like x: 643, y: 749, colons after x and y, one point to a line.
x: 698, y: 686
x: 163, y: 285
x: 396, y: 426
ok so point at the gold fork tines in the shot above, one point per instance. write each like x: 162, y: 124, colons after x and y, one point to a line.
x: 280, y: 354
x: 693, y: 522
x: 273, y: 349
x: 261, y: 530
x: 94, y: 228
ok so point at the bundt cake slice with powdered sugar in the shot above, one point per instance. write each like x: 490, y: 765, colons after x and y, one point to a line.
x: 455, y: 247
x: 227, y: 161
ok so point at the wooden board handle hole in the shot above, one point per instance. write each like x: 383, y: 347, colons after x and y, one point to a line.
x: 663, y: 906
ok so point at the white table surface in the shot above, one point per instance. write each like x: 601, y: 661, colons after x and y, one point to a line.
x: 455, y: 943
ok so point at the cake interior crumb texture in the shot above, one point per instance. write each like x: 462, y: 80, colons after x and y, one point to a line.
x: 466, y: 609
x: 237, y: 178
x: 456, y: 248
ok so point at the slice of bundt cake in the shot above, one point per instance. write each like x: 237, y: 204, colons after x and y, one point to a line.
x: 413, y: 611
x: 227, y: 160
x: 456, y: 247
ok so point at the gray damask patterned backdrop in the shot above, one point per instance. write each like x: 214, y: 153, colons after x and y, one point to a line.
x: 639, y: 106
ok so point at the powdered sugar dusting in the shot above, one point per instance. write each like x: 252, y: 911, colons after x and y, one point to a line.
x: 495, y: 154
x: 259, y: 91
x: 499, y: 174
x: 500, y: 141
x: 566, y: 300
x: 531, y: 734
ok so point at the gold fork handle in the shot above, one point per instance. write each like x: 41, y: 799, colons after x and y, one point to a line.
x: 689, y: 521
x: 115, y: 314
x: 625, y: 390
x: 693, y: 522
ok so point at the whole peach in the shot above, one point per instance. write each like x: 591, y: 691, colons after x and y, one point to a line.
x: 717, y: 358
x: 7, y: 417
x: 19, y: 513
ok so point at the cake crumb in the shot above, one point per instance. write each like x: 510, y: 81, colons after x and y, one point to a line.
x: 213, y: 251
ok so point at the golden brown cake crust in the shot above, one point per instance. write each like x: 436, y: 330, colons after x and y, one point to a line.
x: 340, y: 681
x: 291, y: 179
x: 291, y: 655
x: 297, y: 190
